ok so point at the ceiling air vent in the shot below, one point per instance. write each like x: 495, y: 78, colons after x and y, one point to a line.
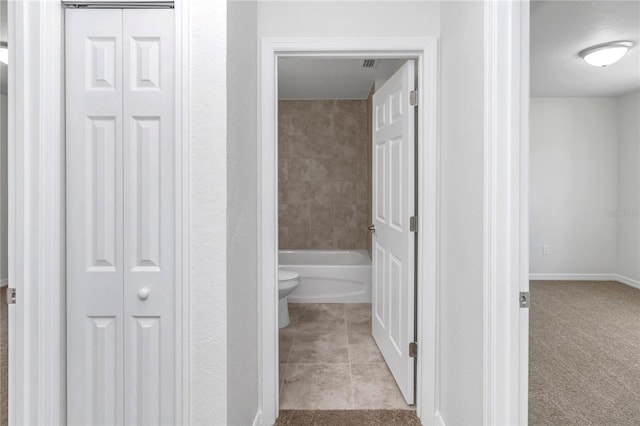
x: 368, y: 63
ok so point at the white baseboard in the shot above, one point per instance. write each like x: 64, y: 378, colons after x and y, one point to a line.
x: 571, y: 277
x: 626, y: 280
x: 438, y: 419
x: 586, y: 277
x: 257, y: 420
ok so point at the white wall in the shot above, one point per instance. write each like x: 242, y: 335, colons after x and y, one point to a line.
x: 461, y: 214
x: 208, y: 187
x: 574, y: 158
x: 350, y: 19
x: 347, y: 18
x: 242, y: 261
x: 628, y: 230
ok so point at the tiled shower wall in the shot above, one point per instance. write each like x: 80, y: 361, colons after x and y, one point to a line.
x: 324, y: 174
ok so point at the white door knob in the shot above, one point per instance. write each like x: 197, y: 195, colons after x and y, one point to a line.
x: 143, y: 293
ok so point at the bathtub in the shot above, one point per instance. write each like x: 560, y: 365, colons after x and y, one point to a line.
x: 329, y: 276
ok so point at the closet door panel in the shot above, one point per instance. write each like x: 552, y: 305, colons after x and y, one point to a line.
x: 149, y: 229
x: 95, y: 267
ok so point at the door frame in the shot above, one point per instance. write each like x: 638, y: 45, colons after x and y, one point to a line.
x: 37, y: 229
x: 506, y: 212
x: 425, y: 52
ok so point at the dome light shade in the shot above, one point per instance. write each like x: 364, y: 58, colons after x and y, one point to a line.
x: 603, y: 55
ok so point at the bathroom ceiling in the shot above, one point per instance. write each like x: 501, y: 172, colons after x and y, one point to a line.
x: 561, y: 29
x: 324, y: 78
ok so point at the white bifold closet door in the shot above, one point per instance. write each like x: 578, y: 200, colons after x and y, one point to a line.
x: 120, y: 217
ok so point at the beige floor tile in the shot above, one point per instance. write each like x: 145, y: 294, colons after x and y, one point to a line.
x: 362, y: 348
x: 322, y: 317
x: 374, y: 387
x: 329, y: 347
x: 333, y: 361
x: 285, y: 339
x: 359, y: 317
x: 316, y: 386
x: 281, y: 371
x: 294, y: 315
x: 358, y: 307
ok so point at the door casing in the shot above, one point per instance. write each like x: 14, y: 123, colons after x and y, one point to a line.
x: 425, y: 51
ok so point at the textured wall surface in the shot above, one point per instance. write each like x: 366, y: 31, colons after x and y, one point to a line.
x: 208, y: 215
x: 461, y: 212
x: 324, y: 169
x: 242, y: 210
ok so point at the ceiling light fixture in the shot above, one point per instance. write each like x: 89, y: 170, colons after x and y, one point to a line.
x: 603, y: 55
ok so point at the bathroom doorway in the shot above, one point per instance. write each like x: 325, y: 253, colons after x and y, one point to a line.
x: 346, y: 330
x: 335, y: 188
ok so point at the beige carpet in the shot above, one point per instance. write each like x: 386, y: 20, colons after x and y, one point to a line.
x: 584, y: 354
x: 348, y: 418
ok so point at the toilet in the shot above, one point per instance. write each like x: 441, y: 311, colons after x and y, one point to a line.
x: 287, y: 282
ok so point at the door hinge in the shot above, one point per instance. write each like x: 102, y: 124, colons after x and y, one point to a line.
x: 413, y: 349
x: 11, y: 296
x: 525, y: 299
x: 413, y: 224
x: 413, y: 98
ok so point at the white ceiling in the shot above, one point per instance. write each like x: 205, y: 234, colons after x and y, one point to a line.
x: 561, y: 29
x: 324, y: 78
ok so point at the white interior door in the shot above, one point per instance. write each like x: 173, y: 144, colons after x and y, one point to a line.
x: 393, y: 242
x: 120, y: 220
x: 95, y: 270
x: 149, y: 272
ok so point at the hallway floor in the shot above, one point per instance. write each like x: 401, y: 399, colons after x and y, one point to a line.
x: 329, y: 361
x: 584, y: 365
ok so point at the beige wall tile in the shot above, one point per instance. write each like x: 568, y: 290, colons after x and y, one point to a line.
x: 321, y: 193
x: 346, y: 236
x: 310, y: 169
x: 311, y: 147
x: 322, y: 216
x: 299, y: 237
x: 283, y: 236
x: 283, y: 170
x: 324, y: 170
x: 345, y: 192
x: 362, y: 193
x: 345, y: 215
x: 298, y: 215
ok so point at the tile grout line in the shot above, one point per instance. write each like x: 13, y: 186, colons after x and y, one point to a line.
x: 352, y: 388
x: 286, y: 365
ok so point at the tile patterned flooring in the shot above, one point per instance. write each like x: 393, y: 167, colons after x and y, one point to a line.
x: 329, y: 361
